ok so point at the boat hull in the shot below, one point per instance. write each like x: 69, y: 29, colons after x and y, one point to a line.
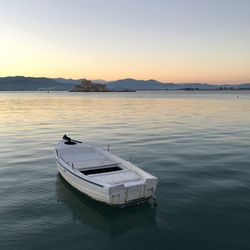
x: 95, y: 192
x: 121, y: 197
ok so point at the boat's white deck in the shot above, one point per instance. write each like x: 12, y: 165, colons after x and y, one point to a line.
x: 87, y: 157
x: 116, y: 177
x: 84, y: 157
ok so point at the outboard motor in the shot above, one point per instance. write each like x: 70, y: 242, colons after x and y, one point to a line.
x: 68, y: 140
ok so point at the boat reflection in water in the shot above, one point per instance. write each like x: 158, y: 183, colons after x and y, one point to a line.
x: 113, y: 221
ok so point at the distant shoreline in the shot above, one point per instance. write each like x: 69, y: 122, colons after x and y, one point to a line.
x: 21, y: 83
x: 131, y: 91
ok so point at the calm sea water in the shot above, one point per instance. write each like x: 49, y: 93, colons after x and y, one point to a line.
x: 196, y: 143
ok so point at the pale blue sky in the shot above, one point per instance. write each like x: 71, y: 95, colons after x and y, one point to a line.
x: 172, y: 41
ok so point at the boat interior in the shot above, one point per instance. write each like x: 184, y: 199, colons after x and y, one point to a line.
x: 88, y: 161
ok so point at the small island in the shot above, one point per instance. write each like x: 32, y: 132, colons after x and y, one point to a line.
x: 88, y: 86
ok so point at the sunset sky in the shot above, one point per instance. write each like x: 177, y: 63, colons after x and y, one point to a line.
x: 166, y: 40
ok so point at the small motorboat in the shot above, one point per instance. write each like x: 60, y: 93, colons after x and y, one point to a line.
x: 102, y: 175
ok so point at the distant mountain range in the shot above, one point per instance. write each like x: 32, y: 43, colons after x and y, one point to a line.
x: 133, y: 84
x: 21, y: 83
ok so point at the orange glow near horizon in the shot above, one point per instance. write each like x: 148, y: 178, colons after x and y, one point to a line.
x: 40, y: 60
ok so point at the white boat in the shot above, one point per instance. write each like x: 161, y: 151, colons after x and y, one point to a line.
x: 101, y: 175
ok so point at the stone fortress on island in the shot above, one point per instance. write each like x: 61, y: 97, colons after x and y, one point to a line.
x: 88, y: 86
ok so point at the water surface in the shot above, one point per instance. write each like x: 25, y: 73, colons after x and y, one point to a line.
x: 196, y: 143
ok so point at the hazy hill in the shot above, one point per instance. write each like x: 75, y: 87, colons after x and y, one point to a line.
x: 75, y: 81
x: 30, y: 83
x: 244, y: 86
x: 67, y: 81
x: 134, y: 84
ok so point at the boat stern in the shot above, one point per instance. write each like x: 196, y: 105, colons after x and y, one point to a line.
x: 132, y: 193
x: 150, y: 186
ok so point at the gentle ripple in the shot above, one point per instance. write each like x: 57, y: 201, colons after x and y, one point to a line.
x: 196, y: 143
